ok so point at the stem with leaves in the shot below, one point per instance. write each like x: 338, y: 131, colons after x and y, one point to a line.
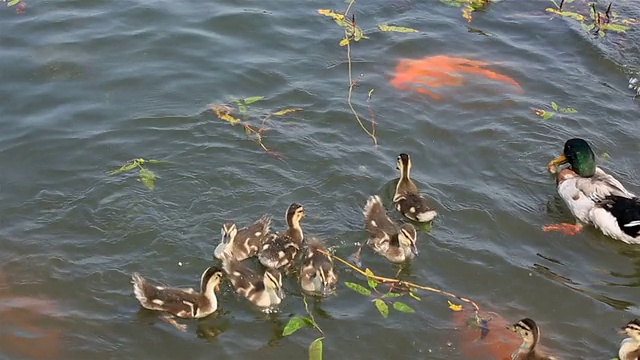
x: 146, y: 176
x: 298, y: 322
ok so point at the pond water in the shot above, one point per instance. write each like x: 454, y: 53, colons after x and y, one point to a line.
x: 89, y: 85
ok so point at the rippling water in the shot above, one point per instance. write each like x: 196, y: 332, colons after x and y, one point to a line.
x: 89, y: 85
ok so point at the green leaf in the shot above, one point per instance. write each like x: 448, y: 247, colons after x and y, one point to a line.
x: 125, y: 168
x: 295, y: 324
x: 159, y: 162
x: 414, y: 296
x: 13, y: 2
x: 252, y: 99
x: 148, y: 178
x: 382, y: 307
x: 554, y: 105
x: 372, y: 283
x: 287, y: 111
x: 315, y: 349
x: 396, y: 28
x: 242, y: 108
x: 568, y: 110
x: 548, y: 115
x: 400, y: 306
x: 391, y: 294
x: 358, y: 288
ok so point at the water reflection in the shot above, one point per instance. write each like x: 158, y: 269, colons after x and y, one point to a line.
x: 26, y: 330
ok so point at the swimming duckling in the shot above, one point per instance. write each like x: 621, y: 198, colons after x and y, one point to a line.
x: 407, y: 199
x: 593, y: 196
x: 396, y: 244
x: 182, y: 302
x: 630, y: 347
x: 279, y: 250
x: 316, y: 274
x: 246, y: 242
x: 263, y: 291
x: 530, y: 334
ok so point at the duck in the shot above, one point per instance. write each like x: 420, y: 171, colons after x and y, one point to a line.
x: 246, y: 242
x: 396, y: 244
x: 407, y: 199
x: 530, y: 334
x: 279, y: 250
x: 264, y: 291
x: 317, y: 276
x: 630, y: 347
x: 593, y: 196
x: 185, y: 303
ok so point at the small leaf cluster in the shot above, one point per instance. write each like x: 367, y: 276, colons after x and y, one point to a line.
x: 299, y: 322
x: 592, y: 20
x: 382, y: 299
x: 547, y: 114
x: 146, y: 176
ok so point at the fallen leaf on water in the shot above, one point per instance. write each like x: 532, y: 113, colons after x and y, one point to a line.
x: 344, y: 42
x: 148, y: 178
x: 396, y: 28
x: 330, y: 13
x: 454, y: 307
x: 287, y: 111
x: 252, y: 99
x: 224, y: 113
x: 569, y: 14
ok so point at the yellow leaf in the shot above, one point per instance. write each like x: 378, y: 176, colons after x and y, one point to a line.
x: 454, y: 307
x: 396, y: 28
x: 286, y: 111
x: 332, y: 14
x: 344, y: 42
x: 224, y: 113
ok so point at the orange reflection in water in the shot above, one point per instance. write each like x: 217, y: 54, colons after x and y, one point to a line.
x: 424, y: 75
x: 495, y: 342
x: 25, y: 330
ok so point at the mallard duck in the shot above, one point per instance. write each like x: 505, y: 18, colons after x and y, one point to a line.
x: 407, y: 199
x: 246, y: 242
x: 316, y: 273
x: 530, y: 334
x: 182, y: 302
x: 395, y: 243
x: 630, y: 347
x: 279, y: 250
x: 593, y: 196
x: 263, y: 291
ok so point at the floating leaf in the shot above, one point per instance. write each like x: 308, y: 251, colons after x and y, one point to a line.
x: 568, y: 14
x: 287, y: 111
x: 396, y: 28
x: 344, y: 42
x: 414, y: 296
x: 382, y: 307
x: 242, y: 108
x: 252, y: 99
x: 454, y: 307
x: 391, y: 294
x: 148, y: 178
x: 224, y: 113
x: 554, y: 105
x: 372, y: 283
x: 315, y: 349
x: 295, y: 324
x: 548, y: 115
x: 128, y: 166
x: 13, y: 2
x: 568, y: 110
x: 358, y: 288
x: 400, y: 306
x: 330, y: 13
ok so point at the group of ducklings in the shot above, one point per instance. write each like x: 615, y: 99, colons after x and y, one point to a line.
x: 593, y: 196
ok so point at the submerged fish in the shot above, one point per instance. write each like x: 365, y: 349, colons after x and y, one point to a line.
x: 423, y: 75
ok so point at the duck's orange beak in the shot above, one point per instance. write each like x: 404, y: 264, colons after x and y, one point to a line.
x: 552, y: 167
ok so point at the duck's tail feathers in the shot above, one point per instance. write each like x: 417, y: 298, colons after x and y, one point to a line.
x: 372, y: 207
x: 140, y: 288
x: 265, y: 220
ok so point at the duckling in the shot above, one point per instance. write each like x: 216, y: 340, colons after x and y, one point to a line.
x: 630, y: 347
x: 530, y: 334
x: 181, y: 302
x: 263, y: 291
x: 279, y: 250
x: 593, y: 196
x: 407, y: 199
x: 246, y: 242
x: 316, y: 273
x: 395, y: 244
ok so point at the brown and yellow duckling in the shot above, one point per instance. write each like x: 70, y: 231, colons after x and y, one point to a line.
x: 243, y: 243
x: 279, y: 250
x: 181, y: 302
x: 317, y: 276
x: 397, y: 244
x: 407, y: 199
x: 264, y: 291
x: 630, y: 347
x: 530, y: 334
